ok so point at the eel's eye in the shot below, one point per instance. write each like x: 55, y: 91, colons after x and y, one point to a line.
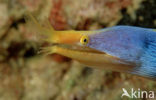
x: 84, y: 40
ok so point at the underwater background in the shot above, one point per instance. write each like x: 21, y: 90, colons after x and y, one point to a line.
x: 27, y: 75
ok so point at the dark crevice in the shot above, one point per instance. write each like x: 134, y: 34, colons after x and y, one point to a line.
x: 30, y: 52
x: 146, y: 15
x: 17, y: 49
x: 17, y: 22
x: 13, y: 24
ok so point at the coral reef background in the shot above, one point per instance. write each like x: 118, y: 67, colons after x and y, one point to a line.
x: 27, y: 75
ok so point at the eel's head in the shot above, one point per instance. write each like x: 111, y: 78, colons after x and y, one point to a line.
x: 117, y: 48
x: 89, y: 48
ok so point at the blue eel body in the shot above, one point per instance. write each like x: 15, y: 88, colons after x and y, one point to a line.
x: 131, y: 44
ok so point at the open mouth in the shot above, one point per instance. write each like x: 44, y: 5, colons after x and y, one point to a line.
x: 79, y: 48
x: 90, y: 57
x: 84, y: 50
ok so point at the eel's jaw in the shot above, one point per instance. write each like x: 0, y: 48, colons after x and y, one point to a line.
x: 96, y: 59
x: 92, y: 58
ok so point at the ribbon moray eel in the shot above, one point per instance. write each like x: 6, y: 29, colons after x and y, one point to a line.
x: 125, y: 49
